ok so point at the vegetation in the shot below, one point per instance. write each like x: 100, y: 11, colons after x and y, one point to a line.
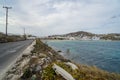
x: 27, y: 74
x: 48, y: 73
x: 83, y: 72
x: 10, y: 38
x: 111, y: 37
x: 40, y: 47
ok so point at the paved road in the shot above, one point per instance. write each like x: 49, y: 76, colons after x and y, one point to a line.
x: 10, y: 51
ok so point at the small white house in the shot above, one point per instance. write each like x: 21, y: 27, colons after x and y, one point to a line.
x: 71, y: 38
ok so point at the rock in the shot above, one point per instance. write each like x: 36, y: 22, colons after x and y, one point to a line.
x: 17, y: 64
x: 41, y: 62
x: 25, y: 55
x: 73, y: 66
x: 41, y: 55
x: 50, y: 53
x: 24, y: 62
x: 18, y: 71
x: 33, y: 59
x: 59, y: 51
x: 12, y: 70
x: 9, y: 76
x: 36, y: 69
x: 15, y: 77
x: 33, y: 77
x: 60, y: 71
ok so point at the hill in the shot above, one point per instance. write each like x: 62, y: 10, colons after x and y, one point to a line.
x: 82, y: 35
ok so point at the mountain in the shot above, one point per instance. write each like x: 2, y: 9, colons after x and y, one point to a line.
x: 82, y: 35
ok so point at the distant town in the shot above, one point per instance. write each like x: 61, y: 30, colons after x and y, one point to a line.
x: 82, y: 35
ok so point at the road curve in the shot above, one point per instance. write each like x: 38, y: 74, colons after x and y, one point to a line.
x: 10, y: 51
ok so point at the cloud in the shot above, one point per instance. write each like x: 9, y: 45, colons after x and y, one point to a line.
x: 46, y: 17
x: 115, y: 16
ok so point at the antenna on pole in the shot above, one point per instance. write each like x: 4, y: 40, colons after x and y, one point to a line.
x: 7, y: 16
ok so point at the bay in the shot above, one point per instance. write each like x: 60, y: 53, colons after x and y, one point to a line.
x: 103, y: 54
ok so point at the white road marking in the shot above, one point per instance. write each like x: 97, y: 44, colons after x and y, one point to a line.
x: 11, y: 51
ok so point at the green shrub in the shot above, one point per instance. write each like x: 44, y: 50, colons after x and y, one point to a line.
x: 27, y: 74
x: 49, y: 73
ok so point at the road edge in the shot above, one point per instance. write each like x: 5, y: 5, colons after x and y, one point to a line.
x: 27, y: 50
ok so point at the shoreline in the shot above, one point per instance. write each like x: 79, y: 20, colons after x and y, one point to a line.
x: 84, y: 40
x: 71, y: 56
x: 43, y: 57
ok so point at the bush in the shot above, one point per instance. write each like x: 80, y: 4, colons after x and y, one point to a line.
x: 27, y: 74
x: 49, y: 73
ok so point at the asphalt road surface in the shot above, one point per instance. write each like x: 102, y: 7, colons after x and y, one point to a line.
x: 10, y: 51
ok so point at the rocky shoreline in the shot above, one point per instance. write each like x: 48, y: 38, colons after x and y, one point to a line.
x: 38, y: 65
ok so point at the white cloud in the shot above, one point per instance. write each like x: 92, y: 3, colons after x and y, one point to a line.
x: 61, y: 16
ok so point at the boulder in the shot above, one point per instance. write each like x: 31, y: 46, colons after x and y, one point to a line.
x: 34, y: 60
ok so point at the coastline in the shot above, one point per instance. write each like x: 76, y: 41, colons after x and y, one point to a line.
x: 101, y: 53
x: 81, y: 40
x: 43, y: 57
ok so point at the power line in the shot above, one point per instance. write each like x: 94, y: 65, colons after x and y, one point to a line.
x: 7, y: 16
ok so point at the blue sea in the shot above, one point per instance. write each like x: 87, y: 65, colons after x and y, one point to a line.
x: 103, y: 54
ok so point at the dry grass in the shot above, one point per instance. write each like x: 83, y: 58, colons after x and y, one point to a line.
x: 84, y: 72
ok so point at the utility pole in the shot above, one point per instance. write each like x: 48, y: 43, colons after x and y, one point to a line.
x: 7, y: 16
x: 24, y: 30
x: 24, y: 33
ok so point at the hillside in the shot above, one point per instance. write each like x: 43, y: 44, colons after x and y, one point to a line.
x: 82, y: 35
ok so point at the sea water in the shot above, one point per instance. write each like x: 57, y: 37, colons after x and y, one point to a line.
x: 103, y: 54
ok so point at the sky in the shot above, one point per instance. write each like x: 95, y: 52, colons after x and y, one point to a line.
x: 49, y: 17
